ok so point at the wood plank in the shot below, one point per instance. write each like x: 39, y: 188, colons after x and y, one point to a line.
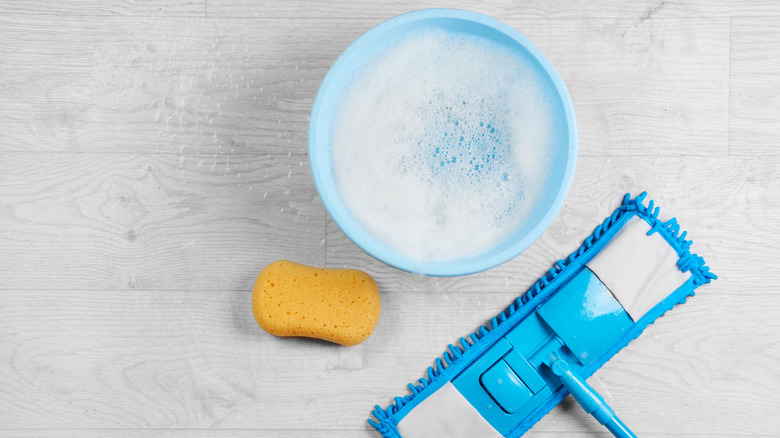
x: 755, y: 106
x: 209, y: 86
x: 183, y: 433
x: 198, y: 360
x: 96, y: 221
x: 191, y: 222
x: 565, y: 9
x: 728, y: 205
x: 265, y: 433
x: 175, y: 85
x: 135, y: 8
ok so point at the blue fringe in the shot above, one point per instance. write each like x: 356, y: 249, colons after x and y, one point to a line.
x: 688, y: 262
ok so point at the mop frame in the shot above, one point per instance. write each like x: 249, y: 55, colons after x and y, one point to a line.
x: 457, y: 358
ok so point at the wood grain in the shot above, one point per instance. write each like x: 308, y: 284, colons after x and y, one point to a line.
x: 265, y: 433
x: 755, y: 105
x: 210, y: 222
x: 182, y: 433
x: 163, y: 85
x: 198, y: 360
x: 209, y: 86
x: 165, y: 221
x: 135, y: 8
x: 565, y: 9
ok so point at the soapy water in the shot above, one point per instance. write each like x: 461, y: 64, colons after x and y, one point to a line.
x: 440, y: 145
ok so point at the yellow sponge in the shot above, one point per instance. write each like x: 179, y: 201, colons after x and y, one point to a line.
x: 337, y: 305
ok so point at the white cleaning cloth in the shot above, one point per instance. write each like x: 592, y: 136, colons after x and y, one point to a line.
x: 445, y: 414
x: 638, y: 269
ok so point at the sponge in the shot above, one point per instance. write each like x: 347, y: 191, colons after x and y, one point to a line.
x: 336, y: 305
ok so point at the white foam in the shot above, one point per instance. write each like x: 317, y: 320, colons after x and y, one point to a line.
x: 440, y: 145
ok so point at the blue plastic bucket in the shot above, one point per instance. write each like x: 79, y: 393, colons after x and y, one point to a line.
x: 337, y: 81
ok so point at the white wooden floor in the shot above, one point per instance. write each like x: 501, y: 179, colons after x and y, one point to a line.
x: 153, y: 160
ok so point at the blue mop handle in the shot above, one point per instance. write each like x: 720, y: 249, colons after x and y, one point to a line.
x: 589, y: 399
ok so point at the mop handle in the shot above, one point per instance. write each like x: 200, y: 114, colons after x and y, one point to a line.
x: 589, y: 399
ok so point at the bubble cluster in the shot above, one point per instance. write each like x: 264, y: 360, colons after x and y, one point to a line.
x: 440, y: 144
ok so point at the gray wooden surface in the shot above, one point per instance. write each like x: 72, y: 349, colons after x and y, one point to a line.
x: 153, y: 160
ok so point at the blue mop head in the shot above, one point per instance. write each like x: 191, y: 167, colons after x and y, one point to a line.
x: 508, y: 374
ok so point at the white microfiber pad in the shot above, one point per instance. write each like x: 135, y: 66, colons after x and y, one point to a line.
x: 445, y: 414
x: 638, y: 269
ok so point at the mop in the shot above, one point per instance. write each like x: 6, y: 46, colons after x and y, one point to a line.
x: 507, y: 375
